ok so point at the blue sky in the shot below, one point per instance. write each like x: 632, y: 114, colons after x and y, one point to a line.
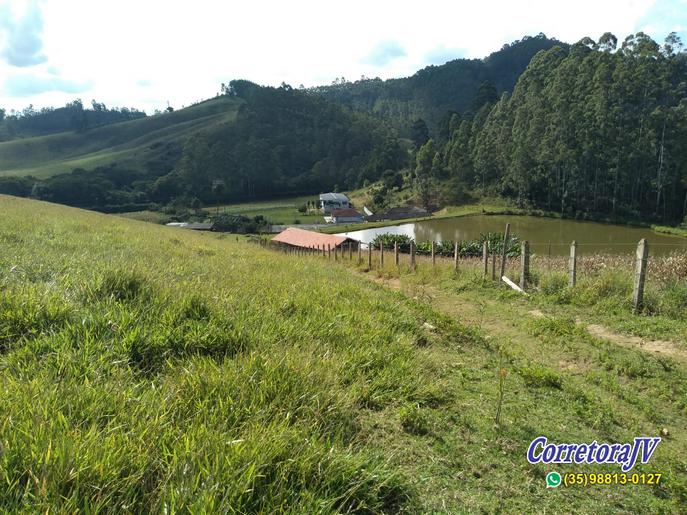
x: 146, y: 53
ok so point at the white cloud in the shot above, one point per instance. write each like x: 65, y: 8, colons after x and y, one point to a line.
x: 20, y: 33
x: 144, y: 53
x: 26, y: 85
x: 383, y: 53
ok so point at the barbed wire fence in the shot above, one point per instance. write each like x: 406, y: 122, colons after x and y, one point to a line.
x: 495, y: 264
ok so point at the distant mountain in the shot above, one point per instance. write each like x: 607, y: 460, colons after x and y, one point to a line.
x: 436, y: 90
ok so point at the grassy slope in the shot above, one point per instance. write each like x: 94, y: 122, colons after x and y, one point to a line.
x: 134, y: 141
x: 278, y: 211
x: 151, y: 368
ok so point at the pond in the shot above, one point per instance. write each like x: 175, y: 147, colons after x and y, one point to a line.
x: 542, y: 233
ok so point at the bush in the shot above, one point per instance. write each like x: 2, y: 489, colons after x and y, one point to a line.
x: 239, y: 224
x: 468, y: 248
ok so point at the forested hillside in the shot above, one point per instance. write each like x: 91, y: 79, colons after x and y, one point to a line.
x: 72, y: 117
x: 252, y: 142
x: 596, y: 130
x: 437, y: 90
x: 283, y: 141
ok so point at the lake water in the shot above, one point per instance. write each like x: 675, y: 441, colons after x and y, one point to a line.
x: 591, y: 237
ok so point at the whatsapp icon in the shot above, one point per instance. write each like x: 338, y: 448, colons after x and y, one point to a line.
x: 553, y: 480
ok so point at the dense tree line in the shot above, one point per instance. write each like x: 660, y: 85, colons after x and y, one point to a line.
x: 594, y: 130
x: 436, y: 90
x: 282, y: 141
x: 72, y: 117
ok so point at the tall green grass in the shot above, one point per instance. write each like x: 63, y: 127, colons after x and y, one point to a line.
x: 146, y: 368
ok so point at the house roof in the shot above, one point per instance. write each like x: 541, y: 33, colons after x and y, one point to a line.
x: 198, y: 226
x: 346, y: 211
x: 334, y: 197
x: 308, y: 239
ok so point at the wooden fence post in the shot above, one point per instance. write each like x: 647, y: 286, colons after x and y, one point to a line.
x: 434, y: 259
x: 485, y: 257
x: 524, y: 264
x: 455, y: 256
x: 360, y: 252
x: 336, y: 252
x: 412, y: 254
x: 493, y: 266
x: 572, y: 265
x: 396, y: 253
x: 369, y: 256
x: 381, y: 254
x: 329, y: 250
x: 350, y: 251
x: 640, y: 274
x: 504, y: 252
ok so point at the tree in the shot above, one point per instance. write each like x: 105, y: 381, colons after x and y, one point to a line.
x: 392, y: 179
x: 419, y: 133
x: 423, y: 173
x: 608, y: 42
x: 219, y: 190
x: 486, y: 94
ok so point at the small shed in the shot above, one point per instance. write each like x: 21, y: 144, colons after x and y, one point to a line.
x: 347, y: 215
x: 295, y: 237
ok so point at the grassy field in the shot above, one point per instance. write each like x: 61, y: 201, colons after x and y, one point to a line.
x: 145, y: 368
x: 127, y: 143
x: 278, y: 211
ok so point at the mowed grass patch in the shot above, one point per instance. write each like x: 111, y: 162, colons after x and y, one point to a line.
x: 278, y: 211
x: 146, y: 368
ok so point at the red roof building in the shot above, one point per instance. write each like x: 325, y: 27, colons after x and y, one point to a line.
x: 309, y: 239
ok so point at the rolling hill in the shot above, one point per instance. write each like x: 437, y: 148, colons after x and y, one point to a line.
x: 141, y: 144
x: 252, y: 142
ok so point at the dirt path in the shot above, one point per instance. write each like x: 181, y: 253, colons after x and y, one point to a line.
x: 664, y: 347
x: 481, y: 314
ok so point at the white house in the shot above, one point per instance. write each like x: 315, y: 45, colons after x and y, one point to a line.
x: 331, y: 201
